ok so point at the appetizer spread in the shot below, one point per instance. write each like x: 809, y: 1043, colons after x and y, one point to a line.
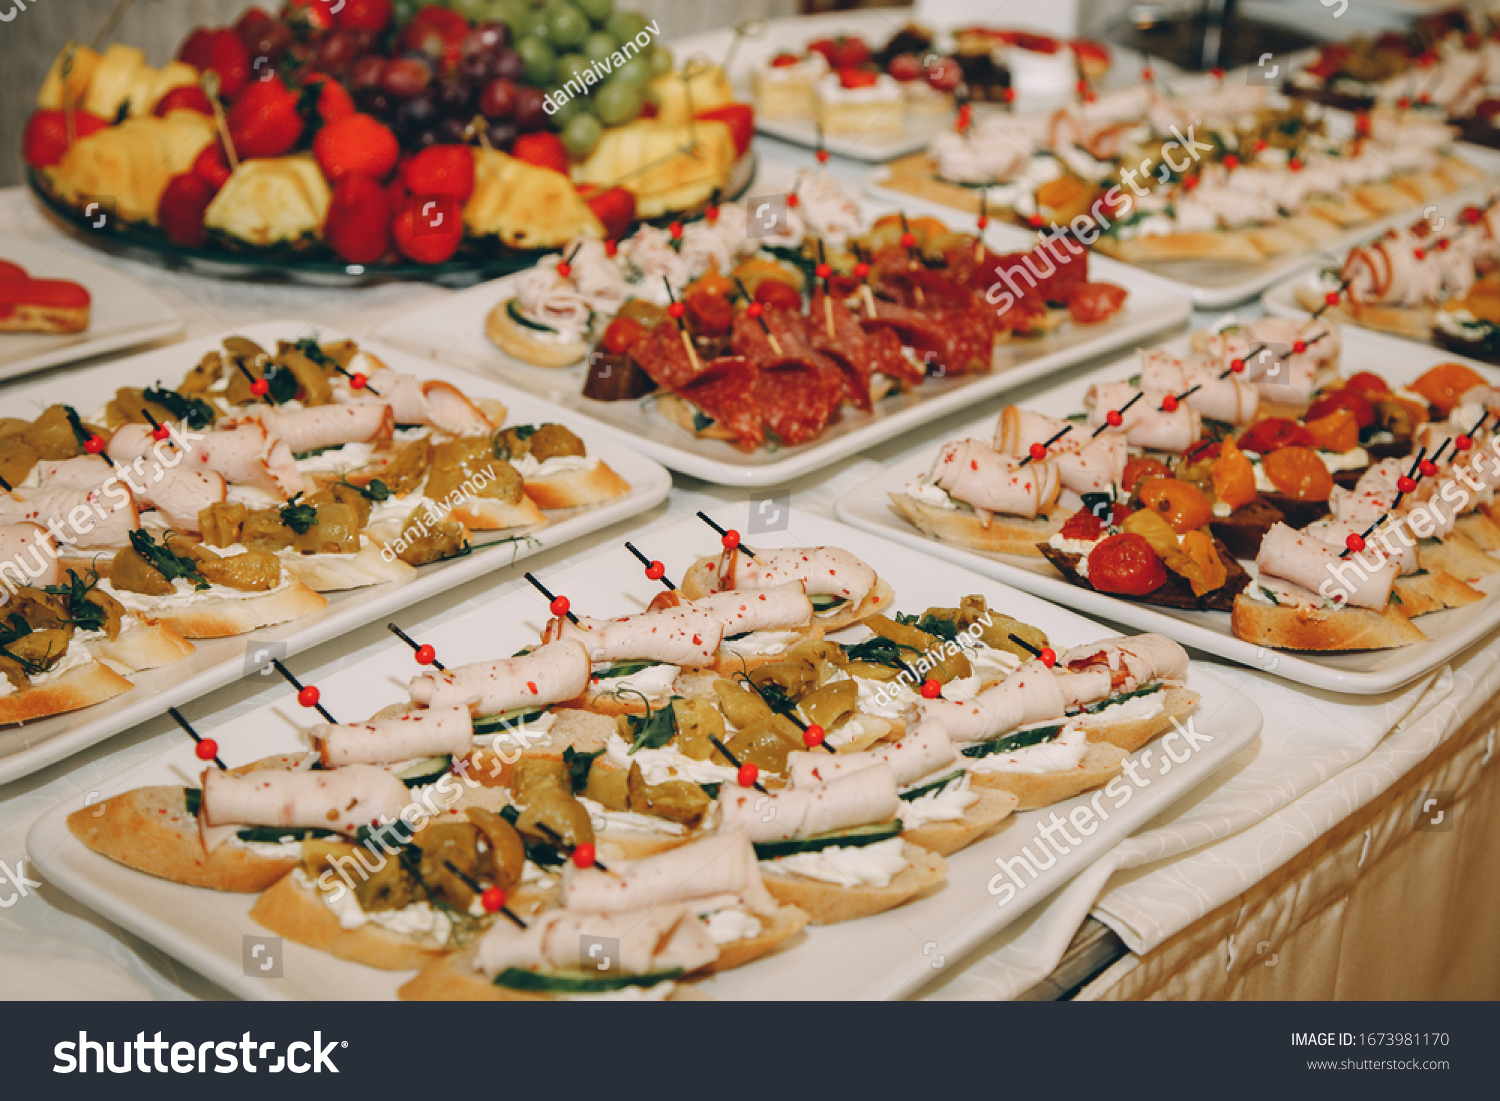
x: 1246, y: 478
x: 761, y: 342
x: 232, y: 501
x: 794, y: 755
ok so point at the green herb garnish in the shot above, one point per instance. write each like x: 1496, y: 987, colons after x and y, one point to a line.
x: 194, y: 412
x: 299, y: 517
x: 85, y: 614
x: 654, y: 729
x: 166, y: 561
x: 879, y: 651
x: 578, y: 766
x: 1012, y: 742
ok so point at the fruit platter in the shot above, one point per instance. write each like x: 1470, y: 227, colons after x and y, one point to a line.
x: 356, y: 141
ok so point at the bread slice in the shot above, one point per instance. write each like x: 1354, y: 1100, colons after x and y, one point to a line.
x: 944, y: 838
x: 222, y: 617
x: 1432, y: 591
x: 1003, y: 534
x: 533, y: 346
x: 1282, y: 628
x: 139, y: 646
x: 775, y: 928
x: 1131, y: 734
x: 829, y: 903
x: 489, y: 514
x: 327, y: 573
x: 454, y: 979
x: 683, y: 413
x: 81, y: 687
x: 702, y: 578
x: 1458, y: 555
x: 1101, y: 763
x: 1479, y: 529
x: 578, y: 488
x: 1208, y: 245
x: 493, y: 759
x: 150, y: 830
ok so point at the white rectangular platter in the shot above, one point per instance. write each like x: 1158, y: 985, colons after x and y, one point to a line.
x: 216, y: 662
x: 122, y: 313
x: 877, y: 957
x: 451, y: 330
x: 1214, y: 284
x: 1364, y: 673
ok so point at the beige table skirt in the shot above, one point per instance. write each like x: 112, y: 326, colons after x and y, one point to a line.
x: 1387, y: 905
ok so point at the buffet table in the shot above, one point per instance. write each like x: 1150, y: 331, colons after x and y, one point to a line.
x: 1302, y: 869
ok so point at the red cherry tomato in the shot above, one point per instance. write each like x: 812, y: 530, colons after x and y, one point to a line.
x: 1139, y: 469
x: 1346, y: 398
x: 773, y: 292
x: 1126, y: 564
x: 1274, y: 433
x: 621, y: 334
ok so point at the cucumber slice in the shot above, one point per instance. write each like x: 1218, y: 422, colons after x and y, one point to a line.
x: 936, y: 785
x: 823, y: 601
x: 429, y: 770
x: 506, y: 720
x: 273, y: 834
x: 521, y: 319
x: 624, y: 669
x: 576, y: 982
x: 193, y: 797
x: 1012, y: 742
x: 298, y: 456
x: 855, y: 838
x: 1095, y: 708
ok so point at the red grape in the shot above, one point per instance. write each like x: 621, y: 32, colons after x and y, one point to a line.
x: 335, y: 53
x: 487, y: 38
x: 269, y: 41
x: 475, y: 70
x: 404, y: 78
x: 451, y: 131
x: 530, y: 111
x: 366, y: 73
x: 454, y: 99
x: 508, y: 64
x: 502, y: 134
x: 419, y: 112
x: 499, y: 98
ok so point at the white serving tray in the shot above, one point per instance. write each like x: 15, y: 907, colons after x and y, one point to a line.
x: 1362, y: 673
x: 451, y: 330
x: 216, y: 662
x: 122, y: 312
x: 1215, y: 284
x: 877, y: 957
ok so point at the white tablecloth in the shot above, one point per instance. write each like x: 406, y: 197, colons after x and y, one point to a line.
x: 1319, y: 759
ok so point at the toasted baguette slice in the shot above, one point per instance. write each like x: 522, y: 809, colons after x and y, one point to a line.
x: 1433, y: 591
x: 1130, y: 734
x: 1003, y: 534
x: 1210, y: 245
x: 1458, y: 555
x: 1479, y: 529
x: 493, y: 759
x: 1101, y: 763
x: 829, y: 903
x: 488, y: 514
x: 221, y: 617
x: 577, y: 489
x: 139, y: 646
x: 944, y: 838
x: 681, y: 412
x: 1282, y: 628
x: 730, y: 661
x: 81, y: 687
x: 702, y: 578
x: 540, y: 349
x: 328, y: 573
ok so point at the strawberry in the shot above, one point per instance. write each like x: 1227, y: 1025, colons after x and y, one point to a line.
x: 542, y: 148
x: 359, y: 220
x: 263, y: 121
x: 784, y: 60
x: 253, y: 22
x: 841, y: 52
x: 364, y: 15
x: 441, y: 170
x: 334, y: 101
x: 740, y: 118
x: 615, y: 208
x: 427, y: 233
x: 222, y: 51
x: 211, y: 166
x: 356, y: 144
x: 857, y: 78
x: 188, y: 97
x: 46, y: 138
x: 180, y: 209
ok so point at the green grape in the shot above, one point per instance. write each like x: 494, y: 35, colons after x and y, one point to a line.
x: 566, y: 111
x: 570, y: 65
x: 472, y: 10
x: 617, y: 101
x: 599, y: 45
x: 636, y: 70
x: 531, y: 24
x: 539, y: 60
x: 625, y: 25
x: 403, y: 10
x: 581, y: 135
x: 597, y: 10
x: 661, y: 61
x: 509, y: 12
x: 567, y: 26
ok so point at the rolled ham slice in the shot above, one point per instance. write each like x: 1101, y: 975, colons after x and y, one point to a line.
x: 781, y: 608
x: 664, y: 938
x: 549, y: 674
x: 81, y: 472
x: 823, y: 571
x: 686, y: 635
x: 1095, y: 468
x: 1143, y: 424
x: 1232, y: 399
x: 1097, y: 670
x: 1398, y: 547
x: 85, y: 518
x: 858, y: 799
x: 925, y: 749
x: 716, y: 872
x: 247, y: 455
x: 327, y: 425
x: 342, y: 800
x: 434, y: 403
x: 28, y: 557
x: 1317, y: 567
x: 1017, y: 429
x: 1324, y: 341
x: 1372, y: 496
x: 180, y: 493
x: 1029, y: 695
x: 1289, y: 380
x: 972, y: 471
x: 428, y: 733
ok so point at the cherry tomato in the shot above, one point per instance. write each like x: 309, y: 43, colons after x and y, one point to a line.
x: 1138, y: 469
x: 1369, y: 384
x: 1179, y: 503
x: 1337, y: 430
x: 1126, y: 564
x: 1445, y: 384
x: 621, y: 334
x: 1272, y: 434
x: 1347, y: 398
x: 710, y: 314
x: 773, y: 292
x: 1298, y: 473
x: 1233, y: 477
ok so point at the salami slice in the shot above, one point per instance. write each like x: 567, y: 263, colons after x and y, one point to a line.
x: 847, y: 346
x: 1091, y: 303
x: 796, y: 401
x: 662, y: 355
x: 727, y: 392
